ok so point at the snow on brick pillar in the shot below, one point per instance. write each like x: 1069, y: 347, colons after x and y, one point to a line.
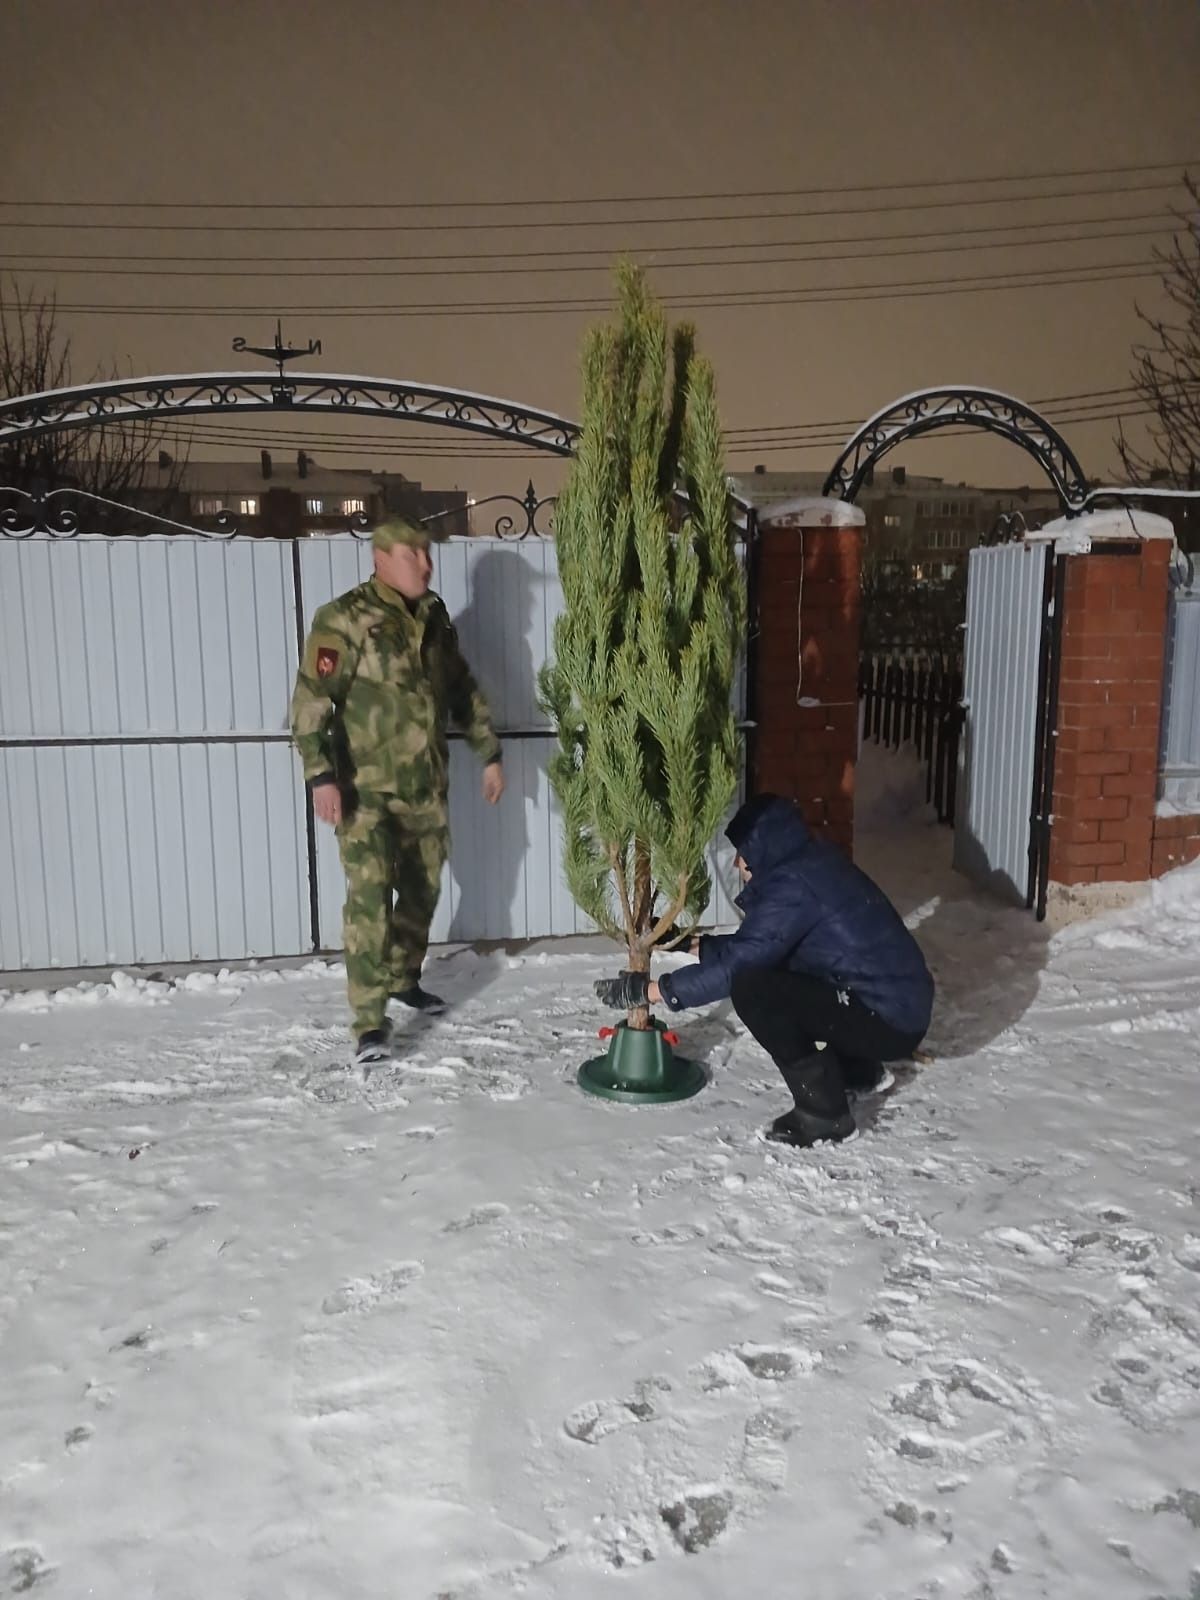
x: 806, y: 660
x: 1176, y: 842
x: 1110, y: 701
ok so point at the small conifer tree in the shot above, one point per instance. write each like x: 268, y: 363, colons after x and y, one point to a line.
x: 646, y: 649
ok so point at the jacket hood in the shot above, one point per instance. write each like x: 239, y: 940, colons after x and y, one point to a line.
x: 767, y: 831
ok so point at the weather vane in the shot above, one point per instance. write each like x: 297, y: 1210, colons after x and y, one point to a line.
x: 279, y: 353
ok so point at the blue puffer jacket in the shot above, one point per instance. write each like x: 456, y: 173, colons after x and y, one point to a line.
x: 809, y: 909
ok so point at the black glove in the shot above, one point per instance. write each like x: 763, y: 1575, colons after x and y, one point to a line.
x: 624, y: 992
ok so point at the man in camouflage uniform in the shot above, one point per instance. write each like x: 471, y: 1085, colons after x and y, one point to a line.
x: 382, y: 674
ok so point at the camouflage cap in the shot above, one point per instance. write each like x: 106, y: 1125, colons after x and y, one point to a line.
x: 399, y: 530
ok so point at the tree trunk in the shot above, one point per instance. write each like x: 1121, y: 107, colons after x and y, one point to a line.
x: 638, y: 1017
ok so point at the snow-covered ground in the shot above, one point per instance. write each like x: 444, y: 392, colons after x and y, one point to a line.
x: 268, y: 1329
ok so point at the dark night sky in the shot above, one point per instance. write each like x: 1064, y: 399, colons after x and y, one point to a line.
x: 407, y: 101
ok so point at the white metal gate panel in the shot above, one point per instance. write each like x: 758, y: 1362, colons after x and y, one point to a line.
x: 1181, y: 703
x: 1006, y: 589
x: 153, y: 804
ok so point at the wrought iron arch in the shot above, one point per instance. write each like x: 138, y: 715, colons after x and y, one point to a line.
x: 207, y: 393
x: 31, y: 416
x: 929, y: 410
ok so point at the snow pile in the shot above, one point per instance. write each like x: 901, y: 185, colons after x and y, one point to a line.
x: 271, y: 1326
x: 133, y: 989
x: 1076, y: 535
x: 1167, y: 919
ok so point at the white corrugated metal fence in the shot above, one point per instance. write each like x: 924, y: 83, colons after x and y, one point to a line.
x: 153, y: 802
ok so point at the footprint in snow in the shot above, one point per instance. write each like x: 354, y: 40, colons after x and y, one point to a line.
x: 675, y: 1233
x: 370, y: 1293
x: 25, y: 1567
x: 498, y: 1083
x: 762, y: 1363
x: 777, y: 1287
x: 477, y: 1217
x: 592, y: 1421
x: 698, y: 1519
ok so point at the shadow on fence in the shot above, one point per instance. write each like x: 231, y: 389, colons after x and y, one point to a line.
x: 917, y: 702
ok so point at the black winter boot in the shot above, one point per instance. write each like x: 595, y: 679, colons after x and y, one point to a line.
x: 374, y: 1045
x: 418, y: 999
x: 822, y: 1110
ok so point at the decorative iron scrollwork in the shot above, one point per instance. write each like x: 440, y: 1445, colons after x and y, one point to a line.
x: 29, y: 416
x: 929, y: 410
x: 57, y: 512
x: 521, y: 524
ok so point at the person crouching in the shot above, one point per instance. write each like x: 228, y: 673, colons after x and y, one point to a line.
x: 822, y: 971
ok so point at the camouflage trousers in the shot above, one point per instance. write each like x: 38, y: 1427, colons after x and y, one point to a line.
x: 392, y: 858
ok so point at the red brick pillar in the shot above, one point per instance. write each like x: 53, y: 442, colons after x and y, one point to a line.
x: 805, y: 661
x: 1109, y: 715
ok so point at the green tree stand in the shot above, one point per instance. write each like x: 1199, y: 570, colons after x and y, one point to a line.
x: 641, y: 1067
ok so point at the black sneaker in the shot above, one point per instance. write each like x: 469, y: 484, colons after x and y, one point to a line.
x: 801, y: 1129
x: 374, y: 1045
x: 418, y: 999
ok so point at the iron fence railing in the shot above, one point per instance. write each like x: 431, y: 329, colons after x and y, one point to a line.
x: 917, y: 702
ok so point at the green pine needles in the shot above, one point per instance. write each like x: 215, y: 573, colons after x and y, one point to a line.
x: 646, y: 649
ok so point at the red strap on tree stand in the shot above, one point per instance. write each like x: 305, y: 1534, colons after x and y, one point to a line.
x: 668, y: 1038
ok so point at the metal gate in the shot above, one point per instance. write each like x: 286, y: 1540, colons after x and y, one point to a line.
x: 152, y: 802
x: 1001, y: 809
x: 1180, y: 755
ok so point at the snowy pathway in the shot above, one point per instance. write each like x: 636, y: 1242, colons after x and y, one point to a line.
x: 269, y: 1330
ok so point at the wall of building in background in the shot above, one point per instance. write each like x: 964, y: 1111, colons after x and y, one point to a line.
x: 292, y: 498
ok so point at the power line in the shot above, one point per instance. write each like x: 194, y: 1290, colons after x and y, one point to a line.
x: 210, y: 427
x: 600, y: 267
x: 1166, y: 217
x: 589, y: 222
x: 404, y: 448
x: 1036, y: 278
x: 1046, y: 403
x: 951, y: 432
x: 595, y: 200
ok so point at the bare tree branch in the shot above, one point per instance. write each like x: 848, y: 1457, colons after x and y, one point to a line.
x: 117, y: 461
x: 1166, y: 375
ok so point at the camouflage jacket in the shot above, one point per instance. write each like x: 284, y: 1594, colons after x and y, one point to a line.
x: 375, y: 690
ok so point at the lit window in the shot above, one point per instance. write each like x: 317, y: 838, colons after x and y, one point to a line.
x: 891, y: 522
x: 209, y: 505
x: 314, y: 507
x: 248, y: 505
x: 349, y: 507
